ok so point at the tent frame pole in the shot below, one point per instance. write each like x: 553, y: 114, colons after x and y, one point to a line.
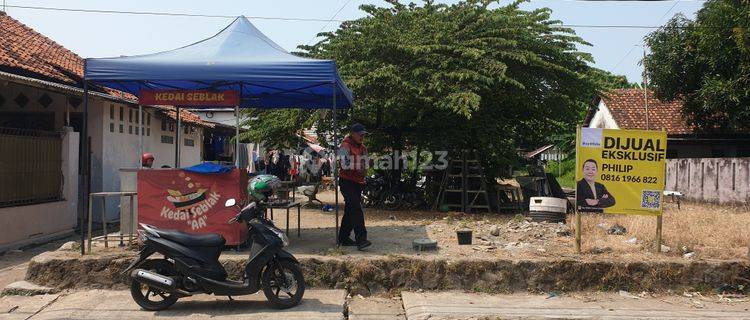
x: 85, y: 161
x: 237, y: 134
x: 140, y: 136
x: 335, y: 166
x: 177, y: 140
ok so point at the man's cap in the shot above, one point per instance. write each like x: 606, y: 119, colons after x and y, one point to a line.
x: 358, y: 128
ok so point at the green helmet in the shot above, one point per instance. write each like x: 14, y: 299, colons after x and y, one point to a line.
x: 263, y: 186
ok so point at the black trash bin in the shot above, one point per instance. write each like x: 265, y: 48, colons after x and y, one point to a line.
x: 464, y: 237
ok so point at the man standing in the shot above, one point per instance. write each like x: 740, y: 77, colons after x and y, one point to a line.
x: 353, y: 156
x: 147, y: 160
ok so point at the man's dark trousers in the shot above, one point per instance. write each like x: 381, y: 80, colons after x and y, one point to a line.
x: 354, y: 217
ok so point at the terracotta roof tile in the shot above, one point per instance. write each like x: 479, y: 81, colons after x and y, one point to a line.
x: 22, y: 48
x: 628, y: 110
x: 185, y: 115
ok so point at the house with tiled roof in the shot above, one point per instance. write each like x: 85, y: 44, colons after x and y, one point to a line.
x: 41, y: 116
x: 631, y: 109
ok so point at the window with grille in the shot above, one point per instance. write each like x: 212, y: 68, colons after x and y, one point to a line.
x: 32, y: 167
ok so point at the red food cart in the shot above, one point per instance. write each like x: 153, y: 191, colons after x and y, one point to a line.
x: 192, y: 202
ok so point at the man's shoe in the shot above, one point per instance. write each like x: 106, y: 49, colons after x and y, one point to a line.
x: 347, y: 243
x: 364, y: 244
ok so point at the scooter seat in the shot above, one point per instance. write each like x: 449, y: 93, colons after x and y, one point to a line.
x: 191, y: 239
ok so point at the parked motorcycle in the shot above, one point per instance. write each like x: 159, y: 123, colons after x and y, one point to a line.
x: 379, y: 191
x: 191, y: 262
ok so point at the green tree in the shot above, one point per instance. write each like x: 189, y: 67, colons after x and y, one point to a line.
x: 461, y: 76
x: 706, y: 63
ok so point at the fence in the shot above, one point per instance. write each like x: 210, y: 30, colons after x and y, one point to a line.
x: 30, y: 167
x: 719, y: 180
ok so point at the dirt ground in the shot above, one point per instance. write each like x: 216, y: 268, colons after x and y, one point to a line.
x: 702, y: 231
x: 13, y: 263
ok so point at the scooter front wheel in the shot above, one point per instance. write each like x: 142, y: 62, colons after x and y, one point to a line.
x: 283, y: 284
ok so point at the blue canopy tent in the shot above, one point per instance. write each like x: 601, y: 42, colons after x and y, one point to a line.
x: 240, y: 58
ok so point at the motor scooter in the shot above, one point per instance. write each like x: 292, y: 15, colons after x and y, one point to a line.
x: 191, y: 264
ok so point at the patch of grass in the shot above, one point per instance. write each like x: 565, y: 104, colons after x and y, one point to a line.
x: 564, y: 172
x: 712, y: 231
x: 336, y: 251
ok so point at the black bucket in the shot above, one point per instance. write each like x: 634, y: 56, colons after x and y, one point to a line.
x: 464, y: 236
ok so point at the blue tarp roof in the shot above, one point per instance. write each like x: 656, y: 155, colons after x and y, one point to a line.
x: 240, y: 57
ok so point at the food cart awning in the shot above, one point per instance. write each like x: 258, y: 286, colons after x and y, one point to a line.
x: 239, y: 57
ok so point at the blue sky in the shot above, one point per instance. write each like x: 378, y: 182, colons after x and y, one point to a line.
x: 106, y: 35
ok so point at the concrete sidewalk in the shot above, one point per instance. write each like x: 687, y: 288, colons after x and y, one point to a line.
x: 459, y: 305
x: 376, y: 308
x: 106, y: 304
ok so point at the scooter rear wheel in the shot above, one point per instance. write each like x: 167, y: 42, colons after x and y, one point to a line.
x: 283, y: 284
x: 153, y: 299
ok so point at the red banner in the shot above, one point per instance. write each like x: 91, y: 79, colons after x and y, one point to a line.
x: 189, y: 97
x: 191, y: 202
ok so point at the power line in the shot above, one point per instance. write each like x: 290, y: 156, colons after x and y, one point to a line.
x: 329, y: 21
x: 623, y: 59
x: 636, y: 45
x: 170, y: 14
x: 332, y: 19
x: 668, y: 11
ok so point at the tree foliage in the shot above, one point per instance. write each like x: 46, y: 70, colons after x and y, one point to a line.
x: 706, y: 63
x: 472, y: 75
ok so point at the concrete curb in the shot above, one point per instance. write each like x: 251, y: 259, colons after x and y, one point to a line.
x: 62, y: 270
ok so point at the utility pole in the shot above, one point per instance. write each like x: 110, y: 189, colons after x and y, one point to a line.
x: 645, y: 85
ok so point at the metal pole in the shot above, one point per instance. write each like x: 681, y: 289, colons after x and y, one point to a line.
x: 645, y: 85
x: 104, y: 221
x: 177, y: 141
x: 237, y: 131
x: 577, y: 213
x: 132, y: 220
x: 142, y: 133
x: 84, y: 155
x: 334, y: 166
x: 648, y: 127
x: 237, y: 136
x: 91, y: 219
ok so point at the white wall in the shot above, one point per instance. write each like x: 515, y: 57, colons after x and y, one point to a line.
x: 603, y: 118
x: 110, y: 151
x: 221, y: 116
x: 122, y: 150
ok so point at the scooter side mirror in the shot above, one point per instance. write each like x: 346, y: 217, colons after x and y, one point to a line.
x: 230, y: 202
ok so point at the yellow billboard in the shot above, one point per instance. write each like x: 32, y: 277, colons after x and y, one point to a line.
x: 620, y: 171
